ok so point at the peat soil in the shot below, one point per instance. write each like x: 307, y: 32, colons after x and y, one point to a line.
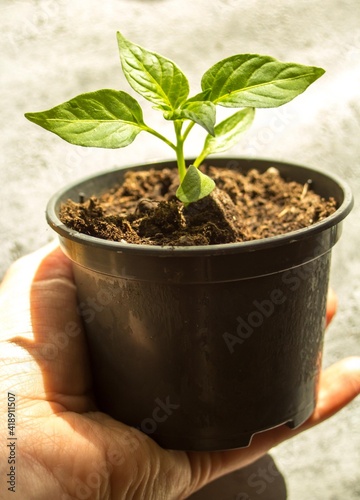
x: 243, y: 207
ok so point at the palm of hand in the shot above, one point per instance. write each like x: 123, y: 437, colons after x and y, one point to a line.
x: 67, y: 449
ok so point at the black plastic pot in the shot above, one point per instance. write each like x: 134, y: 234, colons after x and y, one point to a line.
x: 201, y: 347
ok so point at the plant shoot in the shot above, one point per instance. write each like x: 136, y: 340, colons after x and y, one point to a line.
x: 113, y: 118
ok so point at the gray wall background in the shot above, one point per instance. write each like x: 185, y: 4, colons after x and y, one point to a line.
x: 51, y: 50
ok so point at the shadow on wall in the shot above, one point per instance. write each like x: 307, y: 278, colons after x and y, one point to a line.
x: 261, y: 480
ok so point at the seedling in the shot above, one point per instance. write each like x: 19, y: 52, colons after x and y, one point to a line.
x: 112, y: 118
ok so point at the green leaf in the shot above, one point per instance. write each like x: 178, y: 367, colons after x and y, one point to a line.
x: 153, y: 76
x: 203, y: 96
x: 227, y: 133
x: 251, y: 80
x: 194, y: 186
x: 104, y: 119
x: 202, y: 112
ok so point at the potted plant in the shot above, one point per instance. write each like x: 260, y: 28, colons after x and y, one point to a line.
x: 204, y: 325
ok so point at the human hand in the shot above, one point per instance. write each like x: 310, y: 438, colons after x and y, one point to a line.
x: 65, y: 449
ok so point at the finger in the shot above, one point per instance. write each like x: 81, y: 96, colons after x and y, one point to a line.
x: 27, y: 265
x: 339, y: 385
x: 46, y: 349
x: 58, y: 333
x: 331, y: 306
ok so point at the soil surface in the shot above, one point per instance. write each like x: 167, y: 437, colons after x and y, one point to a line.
x: 145, y: 210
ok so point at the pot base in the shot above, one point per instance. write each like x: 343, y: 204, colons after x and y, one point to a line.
x: 243, y: 440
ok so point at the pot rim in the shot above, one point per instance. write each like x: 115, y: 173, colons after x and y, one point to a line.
x: 240, y: 247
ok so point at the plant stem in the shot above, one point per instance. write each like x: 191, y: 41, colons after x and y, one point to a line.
x: 187, y: 130
x: 199, y: 160
x: 163, y: 138
x: 180, y: 149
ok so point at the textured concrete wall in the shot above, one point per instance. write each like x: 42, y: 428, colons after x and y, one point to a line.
x: 52, y: 50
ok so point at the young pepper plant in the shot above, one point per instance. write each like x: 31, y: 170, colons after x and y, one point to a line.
x: 112, y: 118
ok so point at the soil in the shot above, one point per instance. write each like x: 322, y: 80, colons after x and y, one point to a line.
x: 243, y: 207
